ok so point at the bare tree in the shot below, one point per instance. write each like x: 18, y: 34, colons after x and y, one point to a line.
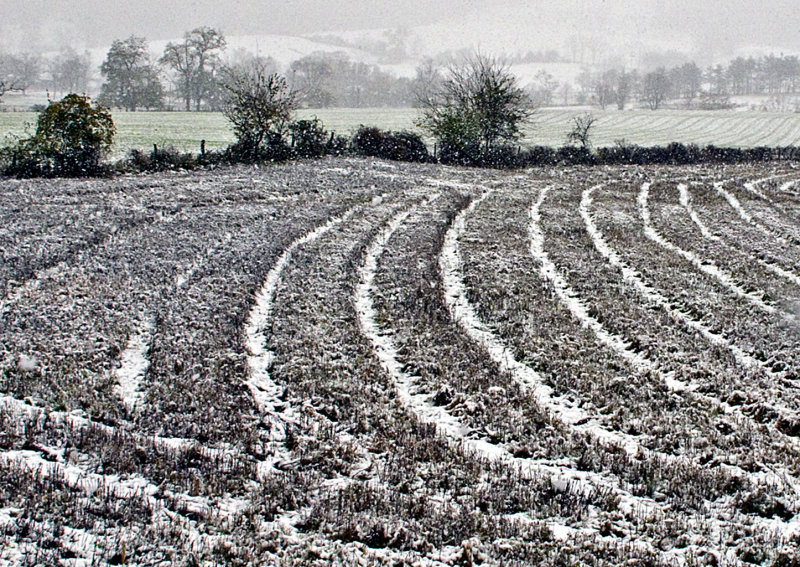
x: 21, y: 70
x: 625, y: 85
x: 427, y: 82
x: 312, y: 76
x: 580, y: 133
x: 244, y: 60
x: 8, y: 80
x: 260, y: 107
x: 194, y: 60
x: 543, y: 89
x: 479, y: 105
x: 655, y: 88
x: 70, y: 72
x: 604, y: 88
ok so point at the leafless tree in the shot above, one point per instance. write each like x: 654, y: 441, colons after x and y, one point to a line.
x: 427, y: 82
x: 194, y: 60
x: 22, y: 71
x: 479, y: 105
x: 626, y: 82
x: 581, y: 129
x: 605, y: 88
x: 655, y: 88
x: 70, y: 72
x: 8, y: 80
x: 543, y: 88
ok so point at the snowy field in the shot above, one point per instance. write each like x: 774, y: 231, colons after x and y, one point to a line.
x: 548, y: 127
x: 354, y: 362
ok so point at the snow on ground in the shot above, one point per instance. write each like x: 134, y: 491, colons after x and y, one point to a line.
x: 685, y: 201
x: 649, y: 293
x: 563, y: 478
x: 702, y: 264
x: 133, y: 364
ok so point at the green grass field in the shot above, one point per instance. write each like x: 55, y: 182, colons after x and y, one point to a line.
x: 549, y: 127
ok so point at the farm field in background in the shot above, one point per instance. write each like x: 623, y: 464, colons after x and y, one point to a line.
x: 550, y: 127
x: 351, y: 361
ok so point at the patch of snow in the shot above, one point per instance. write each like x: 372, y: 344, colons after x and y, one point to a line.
x: 133, y: 365
x: 649, y: 293
x: 266, y: 393
x: 705, y: 266
x: 685, y: 201
x: 737, y: 206
x: 27, y: 363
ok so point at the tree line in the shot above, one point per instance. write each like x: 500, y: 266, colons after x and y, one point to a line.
x: 475, y: 112
x: 690, y: 86
x: 189, y: 75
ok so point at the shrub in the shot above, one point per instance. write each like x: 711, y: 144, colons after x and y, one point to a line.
x: 539, y: 155
x: 459, y: 154
x: 400, y: 146
x: 72, y: 136
x: 479, y: 104
x: 259, y: 106
x: 337, y: 145
x: 620, y: 153
x: 367, y: 141
x: 273, y: 148
x: 405, y: 146
x: 165, y: 159
x: 308, y: 138
x: 572, y: 155
x: 500, y: 157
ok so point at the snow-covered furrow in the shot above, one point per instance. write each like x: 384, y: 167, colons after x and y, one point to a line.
x: 259, y: 324
x: 685, y: 201
x: 737, y: 206
x: 771, y: 224
x: 570, y: 298
x: 751, y: 187
x: 134, y: 487
x: 648, y: 292
x: 420, y: 404
x: 462, y: 312
x: 266, y: 393
x: 78, y: 420
x: 701, y: 264
x: 264, y: 390
x: 133, y: 364
x: 633, y: 278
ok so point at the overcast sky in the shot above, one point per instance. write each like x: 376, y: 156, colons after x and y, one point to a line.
x: 721, y: 25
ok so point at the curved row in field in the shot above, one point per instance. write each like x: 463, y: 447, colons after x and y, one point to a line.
x: 353, y: 361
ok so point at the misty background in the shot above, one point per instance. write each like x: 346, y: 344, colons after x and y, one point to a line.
x: 706, y: 31
x: 652, y: 54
